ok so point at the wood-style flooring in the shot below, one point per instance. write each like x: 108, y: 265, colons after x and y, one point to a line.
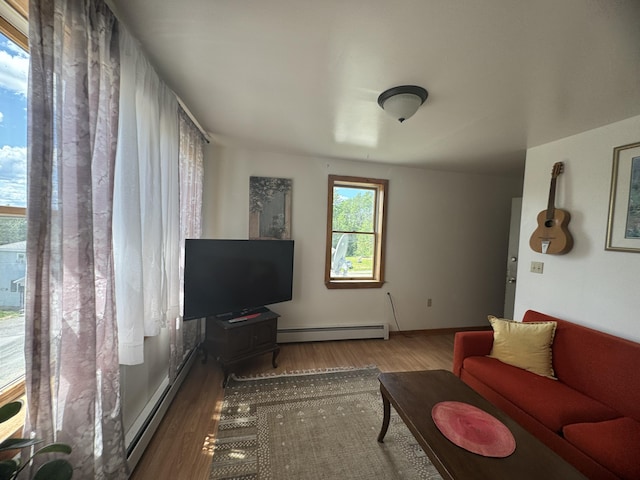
x: 182, y: 447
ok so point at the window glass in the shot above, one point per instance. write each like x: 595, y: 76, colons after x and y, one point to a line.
x: 355, y: 228
x: 353, y: 232
x: 14, y: 65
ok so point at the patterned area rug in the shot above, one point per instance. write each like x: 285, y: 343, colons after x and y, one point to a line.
x: 313, y: 426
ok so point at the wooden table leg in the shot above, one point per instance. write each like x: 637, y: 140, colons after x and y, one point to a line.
x: 276, y: 352
x: 386, y: 405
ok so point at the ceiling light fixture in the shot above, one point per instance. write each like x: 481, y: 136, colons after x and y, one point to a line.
x: 402, y: 102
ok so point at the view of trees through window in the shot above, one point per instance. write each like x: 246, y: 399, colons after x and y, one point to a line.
x: 353, y: 237
x: 356, y: 220
x: 14, y: 64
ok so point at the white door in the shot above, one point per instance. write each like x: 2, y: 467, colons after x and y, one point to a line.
x: 512, y: 258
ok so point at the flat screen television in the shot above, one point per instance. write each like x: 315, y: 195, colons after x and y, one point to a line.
x: 230, y: 278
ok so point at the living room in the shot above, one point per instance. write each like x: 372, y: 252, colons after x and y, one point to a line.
x: 448, y: 223
x: 452, y: 257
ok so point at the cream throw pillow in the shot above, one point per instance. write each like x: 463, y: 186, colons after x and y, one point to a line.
x: 524, y: 345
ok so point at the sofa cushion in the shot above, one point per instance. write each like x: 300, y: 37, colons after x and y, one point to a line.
x: 595, y: 363
x: 524, y: 345
x: 614, y: 443
x: 549, y: 401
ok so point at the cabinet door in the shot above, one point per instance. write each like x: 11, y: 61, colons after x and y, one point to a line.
x: 265, y: 334
x: 239, y: 342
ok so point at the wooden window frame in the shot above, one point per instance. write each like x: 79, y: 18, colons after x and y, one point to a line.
x: 16, y: 390
x: 381, y: 188
x: 15, y: 25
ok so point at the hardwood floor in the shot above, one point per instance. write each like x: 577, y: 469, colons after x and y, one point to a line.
x: 182, y: 447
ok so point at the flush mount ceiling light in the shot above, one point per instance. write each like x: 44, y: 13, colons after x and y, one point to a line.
x: 402, y: 102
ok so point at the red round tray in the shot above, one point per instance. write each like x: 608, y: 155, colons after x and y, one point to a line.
x: 473, y: 429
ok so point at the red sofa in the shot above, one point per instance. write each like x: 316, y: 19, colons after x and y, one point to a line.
x: 590, y: 415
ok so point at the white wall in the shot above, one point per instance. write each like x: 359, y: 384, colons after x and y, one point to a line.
x: 447, y: 237
x: 588, y: 285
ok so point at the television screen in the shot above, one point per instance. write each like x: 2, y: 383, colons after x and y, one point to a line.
x: 233, y: 277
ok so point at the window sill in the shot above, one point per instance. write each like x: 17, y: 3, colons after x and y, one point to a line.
x: 13, y: 427
x: 354, y: 284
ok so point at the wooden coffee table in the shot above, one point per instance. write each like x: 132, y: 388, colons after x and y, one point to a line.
x: 413, y: 395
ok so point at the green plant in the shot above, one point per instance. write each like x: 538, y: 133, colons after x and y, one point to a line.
x: 58, y: 469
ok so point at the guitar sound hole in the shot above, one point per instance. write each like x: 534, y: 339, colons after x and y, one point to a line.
x: 548, y: 223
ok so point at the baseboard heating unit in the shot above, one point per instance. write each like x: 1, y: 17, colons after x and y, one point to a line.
x: 139, y: 435
x: 333, y: 332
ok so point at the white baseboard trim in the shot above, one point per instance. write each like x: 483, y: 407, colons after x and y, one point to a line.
x: 333, y: 332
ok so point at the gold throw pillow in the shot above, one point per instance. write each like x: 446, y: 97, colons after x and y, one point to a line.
x: 525, y: 345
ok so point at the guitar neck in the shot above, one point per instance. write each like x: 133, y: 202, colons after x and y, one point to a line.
x: 552, y: 199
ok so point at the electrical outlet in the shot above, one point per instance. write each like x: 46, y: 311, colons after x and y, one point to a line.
x: 537, y: 267
x: 428, y: 302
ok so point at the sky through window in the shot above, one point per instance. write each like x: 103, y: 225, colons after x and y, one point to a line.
x: 14, y: 68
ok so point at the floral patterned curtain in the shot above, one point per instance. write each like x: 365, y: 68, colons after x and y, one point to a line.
x: 191, y: 176
x: 72, y: 368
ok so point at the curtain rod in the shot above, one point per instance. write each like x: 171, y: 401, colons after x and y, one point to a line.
x: 193, y: 119
x: 116, y: 12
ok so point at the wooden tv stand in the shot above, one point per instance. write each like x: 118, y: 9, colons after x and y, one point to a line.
x: 233, y: 342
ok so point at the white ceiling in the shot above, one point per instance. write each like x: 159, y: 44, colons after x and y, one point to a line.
x: 303, y: 76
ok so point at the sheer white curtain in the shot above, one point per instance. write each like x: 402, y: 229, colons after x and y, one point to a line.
x: 72, y: 371
x: 185, y: 336
x: 146, y: 204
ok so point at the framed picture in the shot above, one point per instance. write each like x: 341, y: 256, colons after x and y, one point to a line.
x: 623, y: 227
x: 269, y: 208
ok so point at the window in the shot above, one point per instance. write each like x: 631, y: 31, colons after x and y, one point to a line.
x: 13, y: 195
x: 13, y: 236
x: 356, y: 220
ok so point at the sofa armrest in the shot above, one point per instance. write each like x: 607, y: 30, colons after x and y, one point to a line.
x: 470, y: 344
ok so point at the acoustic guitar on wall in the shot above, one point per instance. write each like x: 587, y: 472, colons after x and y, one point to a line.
x: 552, y: 235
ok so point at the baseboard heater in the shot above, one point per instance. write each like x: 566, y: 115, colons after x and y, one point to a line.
x: 333, y: 332
x: 139, y: 436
